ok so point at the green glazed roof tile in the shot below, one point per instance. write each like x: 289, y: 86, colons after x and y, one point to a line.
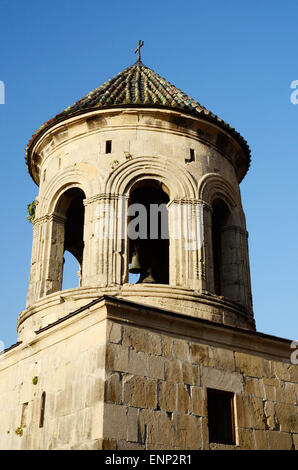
x: 137, y: 85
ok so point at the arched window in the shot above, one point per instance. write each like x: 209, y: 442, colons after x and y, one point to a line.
x: 69, y: 238
x: 148, y: 233
x: 71, y: 272
x: 224, y: 251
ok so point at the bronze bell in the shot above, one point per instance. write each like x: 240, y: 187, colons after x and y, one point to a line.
x: 147, y: 277
x: 135, y: 267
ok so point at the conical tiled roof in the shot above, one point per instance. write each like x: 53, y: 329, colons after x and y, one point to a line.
x: 138, y: 85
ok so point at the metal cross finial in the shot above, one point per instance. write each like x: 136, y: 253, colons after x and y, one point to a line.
x: 138, y: 50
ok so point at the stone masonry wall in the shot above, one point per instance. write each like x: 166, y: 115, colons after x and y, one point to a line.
x: 66, y: 364
x: 122, y: 375
x: 156, y: 393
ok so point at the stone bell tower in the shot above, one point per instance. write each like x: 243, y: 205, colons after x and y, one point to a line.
x: 137, y: 139
x: 137, y: 178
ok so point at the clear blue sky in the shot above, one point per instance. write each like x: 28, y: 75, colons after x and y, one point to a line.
x: 236, y: 58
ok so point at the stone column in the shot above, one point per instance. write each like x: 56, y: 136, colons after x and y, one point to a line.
x: 187, y: 248
x: 105, y: 260
x: 47, y: 257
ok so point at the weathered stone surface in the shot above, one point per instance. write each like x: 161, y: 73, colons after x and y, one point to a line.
x: 249, y: 365
x: 143, y: 341
x: 155, y: 428
x: 116, y: 357
x: 167, y: 396
x: 140, y: 392
x: 256, y: 408
x: 287, y: 417
x: 279, y: 440
x: 180, y: 349
x: 261, y: 438
x: 113, y: 389
x: 246, y: 439
x: 132, y: 424
x: 114, y: 422
x: 269, y: 415
x: 200, y: 354
x: 122, y: 397
x: 187, y: 431
x: 183, y: 398
x: 222, y: 380
x: 198, y: 401
x: 242, y: 411
x: 173, y: 370
x: 114, y: 333
x: 295, y: 440
x: 253, y: 387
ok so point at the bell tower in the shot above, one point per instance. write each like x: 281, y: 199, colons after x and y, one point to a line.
x: 137, y: 149
x: 156, y: 347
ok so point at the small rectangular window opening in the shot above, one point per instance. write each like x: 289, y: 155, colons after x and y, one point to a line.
x: 221, y: 417
x: 42, y: 409
x: 108, y: 146
x: 191, y: 156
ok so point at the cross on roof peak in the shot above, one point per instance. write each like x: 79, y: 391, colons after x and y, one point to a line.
x: 138, y: 50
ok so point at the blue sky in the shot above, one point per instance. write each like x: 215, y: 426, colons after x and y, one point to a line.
x: 236, y: 58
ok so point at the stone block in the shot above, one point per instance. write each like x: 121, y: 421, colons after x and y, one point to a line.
x: 222, y: 359
x: 137, y: 363
x: 167, y: 343
x: 95, y: 423
x: 187, y: 377
x: 196, y: 374
x: 107, y: 444
x: 200, y: 354
x: 295, y: 440
x: 256, y: 412
x: 253, y: 386
x: 124, y: 445
x: 113, y: 387
x: 156, y: 367
x: 222, y: 380
x: 198, y: 401
x: 173, y: 370
x: 269, y: 415
x: 287, y: 417
x: 246, y: 439
x: 95, y: 390
x: 116, y: 357
x: 167, y: 396
x: 279, y: 440
x: 140, y: 392
x: 180, y: 349
x: 115, y: 422
x: 132, y: 424
x: 242, y: 411
x: 142, y: 341
x: 114, y: 333
x: 261, y: 439
x: 183, y: 398
x: 249, y: 365
x: 155, y: 428
x: 187, y: 431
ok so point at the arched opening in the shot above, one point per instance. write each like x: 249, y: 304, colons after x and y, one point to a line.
x: 71, y: 237
x: 71, y: 272
x: 224, y: 251
x: 148, y: 233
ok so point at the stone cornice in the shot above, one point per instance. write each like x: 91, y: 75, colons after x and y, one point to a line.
x: 104, y: 197
x: 58, y: 218
x: 192, y: 202
x: 165, y: 322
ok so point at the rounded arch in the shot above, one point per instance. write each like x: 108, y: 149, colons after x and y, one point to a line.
x: 214, y: 187
x: 63, y: 181
x: 176, y: 178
